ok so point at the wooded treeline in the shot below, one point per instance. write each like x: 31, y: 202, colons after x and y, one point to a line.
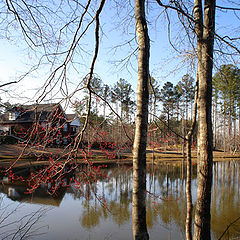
x: 170, y: 110
x: 226, y: 108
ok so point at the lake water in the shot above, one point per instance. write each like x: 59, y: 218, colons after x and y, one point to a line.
x: 102, y: 210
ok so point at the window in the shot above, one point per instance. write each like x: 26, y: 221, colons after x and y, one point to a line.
x: 65, y: 127
x: 12, y: 116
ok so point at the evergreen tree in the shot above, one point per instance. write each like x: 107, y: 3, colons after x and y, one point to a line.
x: 167, y: 99
x: 177, y: 96
x: 97, y: 87
x: 123, y: 91
x: 186, y: 89
x: 106, y: 94
x: 227, y: 83
x: 154, y: 96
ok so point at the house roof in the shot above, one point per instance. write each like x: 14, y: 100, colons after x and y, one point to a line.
x: 73, y: 120
x: 40, y: 196
x: 71, y: 117
x: 31, y: 113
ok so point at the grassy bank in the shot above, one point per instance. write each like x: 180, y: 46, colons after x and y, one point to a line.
x: 28, y: 156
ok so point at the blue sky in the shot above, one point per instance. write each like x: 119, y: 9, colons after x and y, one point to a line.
x: 165, y: 63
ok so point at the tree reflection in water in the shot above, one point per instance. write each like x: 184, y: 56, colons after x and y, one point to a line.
x: 226, y: 199
x: 107, y: 202
x: 166, y: 199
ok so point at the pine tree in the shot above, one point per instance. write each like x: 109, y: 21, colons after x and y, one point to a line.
x: 123, y: 92
x: 167, y: 99
x: 227, y: 83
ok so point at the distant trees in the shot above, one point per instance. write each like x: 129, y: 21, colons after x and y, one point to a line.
x: 154, y: 97
x: 81, y: 106
x: 167, y: 99
x: 123, y: 93
x: 174, y: 103
x: 178, y: 99
x: 186, y: 89
x: 226, y: 88
x: 169, y: 105
x: 112, y: 107
x: 171, y: 109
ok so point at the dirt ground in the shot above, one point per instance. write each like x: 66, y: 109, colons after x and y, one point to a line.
x: 9, y: 153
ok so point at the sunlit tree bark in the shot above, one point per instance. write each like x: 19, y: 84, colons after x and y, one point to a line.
x: 140, y: 140
x: 204, y: 27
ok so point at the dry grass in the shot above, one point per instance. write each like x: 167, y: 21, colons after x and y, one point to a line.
x: 9, y: 153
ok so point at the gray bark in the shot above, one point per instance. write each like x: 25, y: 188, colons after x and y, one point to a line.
x: 224, y: 127
x: 140, y: 141
x: 205, y: 40
x: 215, y: 122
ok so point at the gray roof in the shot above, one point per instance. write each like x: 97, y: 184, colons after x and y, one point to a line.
x: 71, y: 117
x: 31, y: 113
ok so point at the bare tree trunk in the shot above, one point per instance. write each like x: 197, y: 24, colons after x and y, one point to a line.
x: 183, y: 134
x: 239, y: 120
x: 229, y: 128
x: 234, y: 128
x: 189, y: 167
x: 140, y: 141
x: 205, y: 41
x: 224, y: 126
x: 215, y: 123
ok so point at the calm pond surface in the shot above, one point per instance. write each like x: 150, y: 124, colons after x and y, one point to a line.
x: 79, y: 213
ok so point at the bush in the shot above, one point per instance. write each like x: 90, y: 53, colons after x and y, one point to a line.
x: 8, y: 140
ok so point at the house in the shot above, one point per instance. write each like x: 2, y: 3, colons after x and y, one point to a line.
x: 41, y: 122
x: 18, y: 192
x: 75, y: 124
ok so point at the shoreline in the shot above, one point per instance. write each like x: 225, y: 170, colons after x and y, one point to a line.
x: 9, y: 154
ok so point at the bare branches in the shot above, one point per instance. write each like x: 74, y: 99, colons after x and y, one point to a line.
x: 68, y: 57
x: 118, y: 116
x: 8, y: 83
x: 229, y: 225
x: 165, y: 124
x: 24, y: 227
x: 90, y: 75
x: 228, y: 8
x: 181, y: 10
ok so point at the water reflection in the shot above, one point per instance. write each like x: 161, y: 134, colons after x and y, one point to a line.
x: 17, y: 192
x: 102, y: 210
x: 226, y: 201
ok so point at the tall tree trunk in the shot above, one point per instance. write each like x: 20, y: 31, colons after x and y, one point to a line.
x: 213, y: 117
x: 229, y: 125
x: 224, y: 125
x: 188, y: 228
x: 239, y: 119
x: 234, y: 126
x: 215, y: 122
x: 183, y: 134
x: 205, y: 41
x: 140, y: 141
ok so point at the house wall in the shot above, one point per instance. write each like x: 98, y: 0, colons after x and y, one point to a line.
x: 56, y: 126
x: 76, y: 122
